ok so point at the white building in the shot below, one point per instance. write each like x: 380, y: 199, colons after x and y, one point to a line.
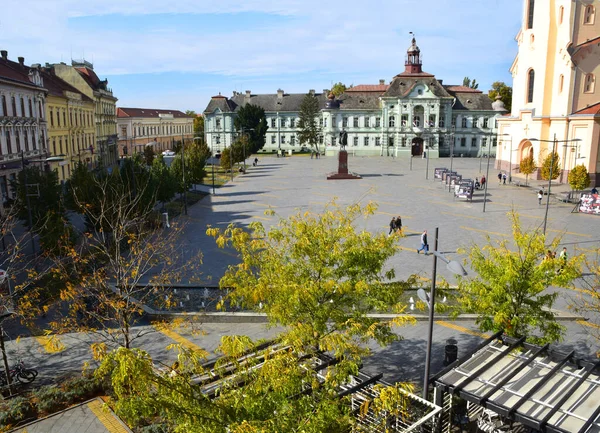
x: 411, y: 114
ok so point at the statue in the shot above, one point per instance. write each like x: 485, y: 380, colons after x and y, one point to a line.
x: 343, y: 140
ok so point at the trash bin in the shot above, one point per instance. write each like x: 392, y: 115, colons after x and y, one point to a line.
x: 450, y: 351
x: 290, y: 151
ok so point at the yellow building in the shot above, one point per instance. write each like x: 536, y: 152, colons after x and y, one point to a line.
x: 71, y: 128
x: 556, y: 102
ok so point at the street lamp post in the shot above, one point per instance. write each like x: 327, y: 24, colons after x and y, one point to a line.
x: 457, y: 269
x: 487, y: 171
x: 185, y: 210
x: 428, y: 150
x: 451, y: 136
x: 554, y: 144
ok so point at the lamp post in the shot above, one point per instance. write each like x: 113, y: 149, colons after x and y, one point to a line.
x: 451, y: 139
x: 554, y: 144
x: 185, y: 210
x: 457, y: 269
x: 428, y: 150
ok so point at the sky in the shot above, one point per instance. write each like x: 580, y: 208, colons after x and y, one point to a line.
x: 176, y: 55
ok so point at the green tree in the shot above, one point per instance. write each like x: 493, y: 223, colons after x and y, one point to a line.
x: 184, y: 182
x: 527, y: 166
x: 166, y: 184
x: 252, y: 122
x: 149, y: 155
x: 45, y: 195
x: 308, y: 123
x: 338, y: 88
x: 199, y: 126
x: 579, y: 178
x: 235, y: 152
x: 197, y: 154
x: 473, y: 84
x: 551, y: 166
x: 510, y: 290
x: 499, y: 88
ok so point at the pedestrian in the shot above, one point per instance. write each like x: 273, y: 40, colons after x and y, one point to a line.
x: 563, y: 257
x: 424, y: 244
x: 499, y: 178
x: 399, y: 224
x: 549, y: 255
x: 424, y: 154
x: 392, y: 225
x: 540, y: 197
x: 482, y: 182
x: 255, y: 161
x: 504, y: 178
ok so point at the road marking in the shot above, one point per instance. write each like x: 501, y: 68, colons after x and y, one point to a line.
x: 108, y: 420
x: 318, y: 202
x: 323, y: 195
x: 597, y: 250
x: 50, y: 343
x: 462, y: 216
x: 461, y: 329
x: 448, y: 204
x: 570, y: 233
x: 179, y: 339
x: 533, y: 216
x: 265, y: 205
x: 227, y: 253
x: 393, y: 214
x: 588, y: 324
x: 408, y: 249
x: 261, y: 218
x: 485, y: 231
x: 269, y: 195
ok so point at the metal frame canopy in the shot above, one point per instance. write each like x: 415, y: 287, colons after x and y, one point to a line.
x: 541, y: 388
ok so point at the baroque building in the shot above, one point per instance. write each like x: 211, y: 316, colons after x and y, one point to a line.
x: 160, y: 129
x: 23, y: 132
x: 413, y: 114
x: 71, y: 126
x: 556, y: 99
x: 81, y: 75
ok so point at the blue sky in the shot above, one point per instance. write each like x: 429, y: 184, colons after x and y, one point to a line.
x: 159, y: 54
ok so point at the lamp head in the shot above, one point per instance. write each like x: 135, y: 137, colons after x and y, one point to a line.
x: 456, y: 268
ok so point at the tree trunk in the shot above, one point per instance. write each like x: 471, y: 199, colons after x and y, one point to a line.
x: 5, y: 359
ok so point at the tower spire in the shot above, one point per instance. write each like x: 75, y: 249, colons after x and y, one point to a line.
x: 413, y: 63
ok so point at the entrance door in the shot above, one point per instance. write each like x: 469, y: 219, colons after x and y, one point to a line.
x: 417, y: 147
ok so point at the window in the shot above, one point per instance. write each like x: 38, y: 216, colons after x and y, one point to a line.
x: 218, y: 139
x: 486, y: 122
x: 367, y: 121
x: 4, y: 109
x: 123, y: 131
x: 293, y: 140
x: 273, y: 139
x: 390, y: 141
x: 282, y: 121
x: 473, y: 141
x: 14, y: 106
x: 320, y: 139
x: 26, y: 138
x: 51, y: 118
x: 54, y: 147
x: 377, y: 141
x: 530, y: 9
x: 60, y: 145
x: 453, y: 121
x: 561, y: 82
x: 218, y: 123
x: 292, y: 122
x: 377, y: 122
x: 355, y: 141
x: 18, y: 140
x: 530, y: 84
x: 403, y: 141
x: 483, y: 142
x: 463, y: 142
x: 404, y: 120
x: 30, y: 108
x: 355, y: 121
x: 417, y: 121
x: 392, y: 121
x: 494, y: 142
x: 588, y: 16
x: 8, y: 142
x: 344, y: 122
x: 321, y: 122
x: 589, y: 84
x: 442, y: 123
x: 283, y: 139
x: 22, y: 107
x: 366, y: 141
x: 325, y: 122
x: 431, y: 122
x: 64, y: 118
x: 464, y: 122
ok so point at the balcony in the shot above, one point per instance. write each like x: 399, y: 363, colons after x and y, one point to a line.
x: 17, y: 156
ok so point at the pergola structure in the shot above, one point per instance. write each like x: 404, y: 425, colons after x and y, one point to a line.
x: 510, y: 384
x: 360, y: 390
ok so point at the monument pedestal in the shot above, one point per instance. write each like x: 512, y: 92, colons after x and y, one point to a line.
x: 342, y: 172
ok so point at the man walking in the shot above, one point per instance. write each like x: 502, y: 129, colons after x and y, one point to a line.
x: 499, y: 178
x: 399, y: 224
x: 424, y: 244
x: 563, y: 258
x: 504, y: 179
x: 540, y: 197
x: 392, y: 225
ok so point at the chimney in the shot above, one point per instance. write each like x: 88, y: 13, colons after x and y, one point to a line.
x: 279, y: 94
x: 441, y: 82
x: 4, y: 54
x: 21, y: 61
x: 248, y: 93
x: 311, y: 91
x: 382, y: 82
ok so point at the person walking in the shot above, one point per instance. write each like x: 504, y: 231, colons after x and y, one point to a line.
x: 482, y: 182
x: 499, y: 178
x: 255, y: 162
x: 424, y: 244
x: 392, y: 225
x: 563, y: 258
x: 504, y: 178
x: 399, y: 224
x: 540, y: 197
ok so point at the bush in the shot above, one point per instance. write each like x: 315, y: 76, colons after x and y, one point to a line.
x: 155, y: 428
x: 17, y: 410
x: 82, y: 388
x: 50, y: 399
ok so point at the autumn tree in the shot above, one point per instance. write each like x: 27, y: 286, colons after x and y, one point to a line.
x: 251, y: 121
x: 499, y: 88
x: 509, y: 292
x: 579, y: 178
x: 551, y: 166
x: 527, y: 166
x: 473, y: 84
x: 338, y: 88
x: 308, y: 121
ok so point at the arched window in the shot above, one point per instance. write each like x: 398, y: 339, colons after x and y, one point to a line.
x: 561, y: 14
x: 530, y: 84
x: 464, y: 122
x: 530, y: 9
x: 561, y: 82
x: 589, y: 83
x: 392, y: 121
x: 588, y: 15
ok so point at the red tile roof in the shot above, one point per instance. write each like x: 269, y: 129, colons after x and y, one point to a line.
x: 89, y: 76
x: 592, y: 109
x: 14, y: 71
x: 148, y: 112
x: 462, y: 89
x: 369, y: 88
x: 56, y: 86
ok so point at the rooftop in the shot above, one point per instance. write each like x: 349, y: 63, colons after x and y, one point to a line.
x: 123, y: 112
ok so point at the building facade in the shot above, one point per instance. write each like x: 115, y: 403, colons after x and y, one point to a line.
x: 555, y: 96
x: 23, y: 132
x: 71, y: 126
x: 412, y: 114
x: 160, y: 129
x: 81, y: 75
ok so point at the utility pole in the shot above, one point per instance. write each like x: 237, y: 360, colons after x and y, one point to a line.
x: 185, y: 210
